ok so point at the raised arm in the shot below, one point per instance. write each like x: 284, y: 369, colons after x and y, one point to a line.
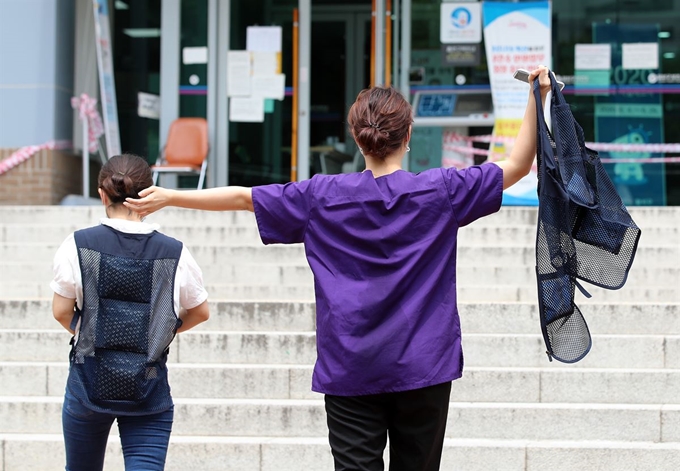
x: 228, y: 198
x: 521, y: 158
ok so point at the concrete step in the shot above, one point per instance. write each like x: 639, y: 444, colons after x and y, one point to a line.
x: 241, y: 316
x: 666, y: 256
x: 302, y: 418
x: 466, y: 293
x: 40, y: 452
x: 227, y: 234
x: 295, y: 316
x: 291, y: 275
x: 219, y: 234
x: 299, y: 348
x: 88, y: 215
x: 550, y: 384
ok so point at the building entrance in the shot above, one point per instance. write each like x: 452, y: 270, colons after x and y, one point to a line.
x: 340, y: 66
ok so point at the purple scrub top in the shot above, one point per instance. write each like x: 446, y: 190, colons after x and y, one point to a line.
x: 383, y: 254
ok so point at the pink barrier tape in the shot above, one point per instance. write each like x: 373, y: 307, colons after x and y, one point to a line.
x: 598, y: 146
x: 495, y: 156
x: 650, y: 160
x: 87, y: 109
x: 25, y: 153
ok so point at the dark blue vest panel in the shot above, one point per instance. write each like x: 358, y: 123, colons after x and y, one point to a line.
x: 128, y: 320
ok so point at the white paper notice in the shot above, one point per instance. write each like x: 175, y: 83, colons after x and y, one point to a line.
x: 238, y: 73
x: 195, y: 55
x: 592, y: 56
x: 148, y: 105
x: 265, y: 63
x: 246, y: 110
x: 640, y: 55
x: 263, y: 38
x: 269, y: 86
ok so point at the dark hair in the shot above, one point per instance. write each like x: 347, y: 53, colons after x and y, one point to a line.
x: 124, y: 176
x: 379, y: 120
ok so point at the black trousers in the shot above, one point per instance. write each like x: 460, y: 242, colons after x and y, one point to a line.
x: 415, y: 421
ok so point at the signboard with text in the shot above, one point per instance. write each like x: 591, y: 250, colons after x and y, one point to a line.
x: 516, y: 36
x: 460, y: 23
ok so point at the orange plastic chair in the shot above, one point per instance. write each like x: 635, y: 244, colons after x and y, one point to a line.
x: 186, y: 150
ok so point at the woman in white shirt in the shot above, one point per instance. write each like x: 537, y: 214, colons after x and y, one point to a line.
x: 123, y: 290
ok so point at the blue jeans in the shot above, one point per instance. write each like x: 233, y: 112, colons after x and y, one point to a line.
x: 144, y: 438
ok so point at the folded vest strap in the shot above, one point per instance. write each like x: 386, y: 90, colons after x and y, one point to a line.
x: 76, y: 318
x: 582, y: 289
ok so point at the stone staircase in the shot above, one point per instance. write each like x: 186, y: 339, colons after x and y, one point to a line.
x: 241, y: 381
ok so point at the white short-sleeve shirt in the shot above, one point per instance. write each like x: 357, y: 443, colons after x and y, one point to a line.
x: 67, y: 282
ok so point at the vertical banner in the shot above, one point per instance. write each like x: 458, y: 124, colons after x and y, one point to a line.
x: 517, y: 36
x: 107, y: 84
x: 622, y: 118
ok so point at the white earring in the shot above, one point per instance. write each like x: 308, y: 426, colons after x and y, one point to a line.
x: 408, y: 149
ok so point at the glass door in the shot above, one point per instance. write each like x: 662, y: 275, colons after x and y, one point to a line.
x: 340, y: 68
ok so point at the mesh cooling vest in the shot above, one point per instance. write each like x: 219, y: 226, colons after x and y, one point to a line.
x: 584, y: 230
x: 118, y: 362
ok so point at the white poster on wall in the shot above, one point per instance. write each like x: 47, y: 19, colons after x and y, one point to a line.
x: 263, y: 38
x: 238, y: 73
x: 264, y: 63
x: 269, y: 86
x: 640, y: 56
x: 148, y: 105
x: 246, y: 109
x: 592, y: 56
x: 195, y: 55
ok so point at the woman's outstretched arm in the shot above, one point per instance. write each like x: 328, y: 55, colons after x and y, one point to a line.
x: 228, y: 198
x: 521, y: 158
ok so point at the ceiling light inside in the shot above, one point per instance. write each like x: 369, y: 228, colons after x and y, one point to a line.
x: 143, y: 32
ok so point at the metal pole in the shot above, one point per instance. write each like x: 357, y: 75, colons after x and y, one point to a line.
x: 373, y: 35
x: 86, y: 158
x: 294, y: 126
x: 404, y: 85
x: 170, y: 44
x: 213, y: 86
x: 388, y: 44
x: 396, y: 17
x: 379, y: 52
x: 222, y: 138
x: 305, y: 34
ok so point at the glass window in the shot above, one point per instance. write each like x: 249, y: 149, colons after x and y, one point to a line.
x: 624, y: 105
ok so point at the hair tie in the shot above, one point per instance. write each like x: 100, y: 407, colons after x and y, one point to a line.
x: 374, y: 125
x: 121, y: 173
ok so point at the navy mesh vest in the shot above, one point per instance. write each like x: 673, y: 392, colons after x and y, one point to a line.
x: 127, y: 321
x: 584, y: 230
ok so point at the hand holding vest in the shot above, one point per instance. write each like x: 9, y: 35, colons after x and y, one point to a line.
x: 584, y: 230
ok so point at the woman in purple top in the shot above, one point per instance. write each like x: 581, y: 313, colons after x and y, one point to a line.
x: 382, y: 247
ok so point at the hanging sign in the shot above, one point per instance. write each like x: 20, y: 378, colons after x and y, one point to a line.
x: 107, y: 84
x: 516, y: 36
x: 460, y: 23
